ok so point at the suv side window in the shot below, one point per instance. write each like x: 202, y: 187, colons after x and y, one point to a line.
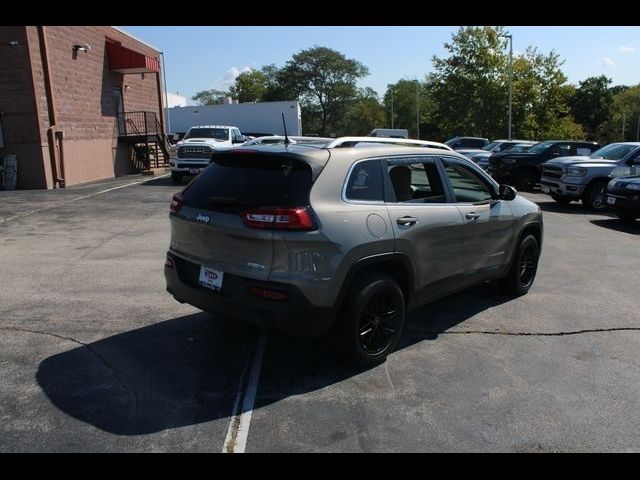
x: 415, y: 180
x: 560, y: 150
x: 365, y: 182
x: 584, y: 150
x: 467, y: 185
x: 475, y: 143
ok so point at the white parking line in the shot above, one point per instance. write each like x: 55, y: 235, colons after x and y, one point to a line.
x: 81, y: 198
x: 238, y: 432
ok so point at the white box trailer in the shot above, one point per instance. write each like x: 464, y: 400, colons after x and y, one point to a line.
x: 250, y: 118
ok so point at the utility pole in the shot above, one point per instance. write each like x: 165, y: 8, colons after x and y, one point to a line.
x: 417, y: 112
x: 166, y: 95
x: 391, y: 106
x: 510, y: 37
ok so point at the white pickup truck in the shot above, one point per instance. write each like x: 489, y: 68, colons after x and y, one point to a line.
x: 192, y: 154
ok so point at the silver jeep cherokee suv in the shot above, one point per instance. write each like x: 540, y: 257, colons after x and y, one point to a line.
x: 344, y: 237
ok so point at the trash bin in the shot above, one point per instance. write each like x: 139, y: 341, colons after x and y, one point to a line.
x: 10, y: 172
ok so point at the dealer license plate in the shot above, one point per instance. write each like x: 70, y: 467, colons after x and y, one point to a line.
x: 195, y: 171
x: 210, y: 278
x: 545, y: 189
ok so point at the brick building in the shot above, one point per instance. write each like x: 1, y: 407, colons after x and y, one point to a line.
x: 79, y: 104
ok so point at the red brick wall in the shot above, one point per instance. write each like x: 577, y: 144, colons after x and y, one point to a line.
x: 16, y: 88
x: 83, y: 98
x: 83, y: 84
x: 18, y: 107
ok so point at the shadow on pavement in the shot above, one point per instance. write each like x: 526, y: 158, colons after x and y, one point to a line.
x: 553, y: 206
x: 618, y: 225
x: 185, y: 371
x: 165, y: 182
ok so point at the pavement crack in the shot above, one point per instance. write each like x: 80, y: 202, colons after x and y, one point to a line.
x: 114, y: 371
x: 537, y: 334
x: 40, y: 332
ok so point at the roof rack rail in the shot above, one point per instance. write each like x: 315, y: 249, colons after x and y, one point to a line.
x: 343, y: 142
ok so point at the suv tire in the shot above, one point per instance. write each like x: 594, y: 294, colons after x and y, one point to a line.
x: 176, y: 178
x: 523, y: 267
x: 525, y: 179
x: 593, y: 197
x: 372, y: 320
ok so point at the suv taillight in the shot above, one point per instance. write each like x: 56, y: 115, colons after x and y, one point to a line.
x: 176, y: 203
x: 296, y: 218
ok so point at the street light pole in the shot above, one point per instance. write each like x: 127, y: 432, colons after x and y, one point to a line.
x: 417, y: 112
x: 391, y: 106
x: 510, y: 37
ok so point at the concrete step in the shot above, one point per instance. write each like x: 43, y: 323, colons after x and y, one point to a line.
x: 156, y: 171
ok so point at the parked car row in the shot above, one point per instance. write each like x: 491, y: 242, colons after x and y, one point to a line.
x: 566, y: 170
x: 585, y: 178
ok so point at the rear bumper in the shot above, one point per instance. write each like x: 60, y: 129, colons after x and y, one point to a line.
x: 295, y: 316
x: 559, y: 188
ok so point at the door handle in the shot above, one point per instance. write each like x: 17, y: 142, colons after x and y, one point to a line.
x: 406, y: 220
x: 472, y: 216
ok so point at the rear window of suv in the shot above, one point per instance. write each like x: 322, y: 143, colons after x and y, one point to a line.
x: 238, y: 181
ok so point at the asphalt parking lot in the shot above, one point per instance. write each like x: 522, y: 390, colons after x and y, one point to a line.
x: 96, y: 356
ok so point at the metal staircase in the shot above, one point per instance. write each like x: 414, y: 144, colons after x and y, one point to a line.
x: 150, y: 145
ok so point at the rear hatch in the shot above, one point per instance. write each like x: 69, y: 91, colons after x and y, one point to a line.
x: 212, y: 227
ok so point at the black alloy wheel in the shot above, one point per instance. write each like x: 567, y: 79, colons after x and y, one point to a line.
x: 379, y: 322
x: 524, y: 267
x: 372, y: 320
x: 594, y: 196
x: 528, y: 264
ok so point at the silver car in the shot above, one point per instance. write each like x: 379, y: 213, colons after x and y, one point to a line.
x: 347, y: 239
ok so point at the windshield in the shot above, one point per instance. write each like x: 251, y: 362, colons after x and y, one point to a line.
x: 540, y: 147
x: 615, y: 151
x: 489, y: 147
x: 234, y: 182
x: 518, y: 148
x: 215, y: 133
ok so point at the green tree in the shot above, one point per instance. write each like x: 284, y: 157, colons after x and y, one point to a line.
x: 625, y: 112
x: 405, y: 106
x: 209, y: 97
x: 260, y: 86
x: 249, y: 86
x: 324, y: 81
x: 591, y: 103
x: 469, y: 89
x: 469, y: 86
x: 542, y: 94
x: 363, y: 115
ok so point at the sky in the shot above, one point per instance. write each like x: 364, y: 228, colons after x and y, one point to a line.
x: 200, y: 58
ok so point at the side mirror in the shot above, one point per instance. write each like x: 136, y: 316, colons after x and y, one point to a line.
x: 506, y: 192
